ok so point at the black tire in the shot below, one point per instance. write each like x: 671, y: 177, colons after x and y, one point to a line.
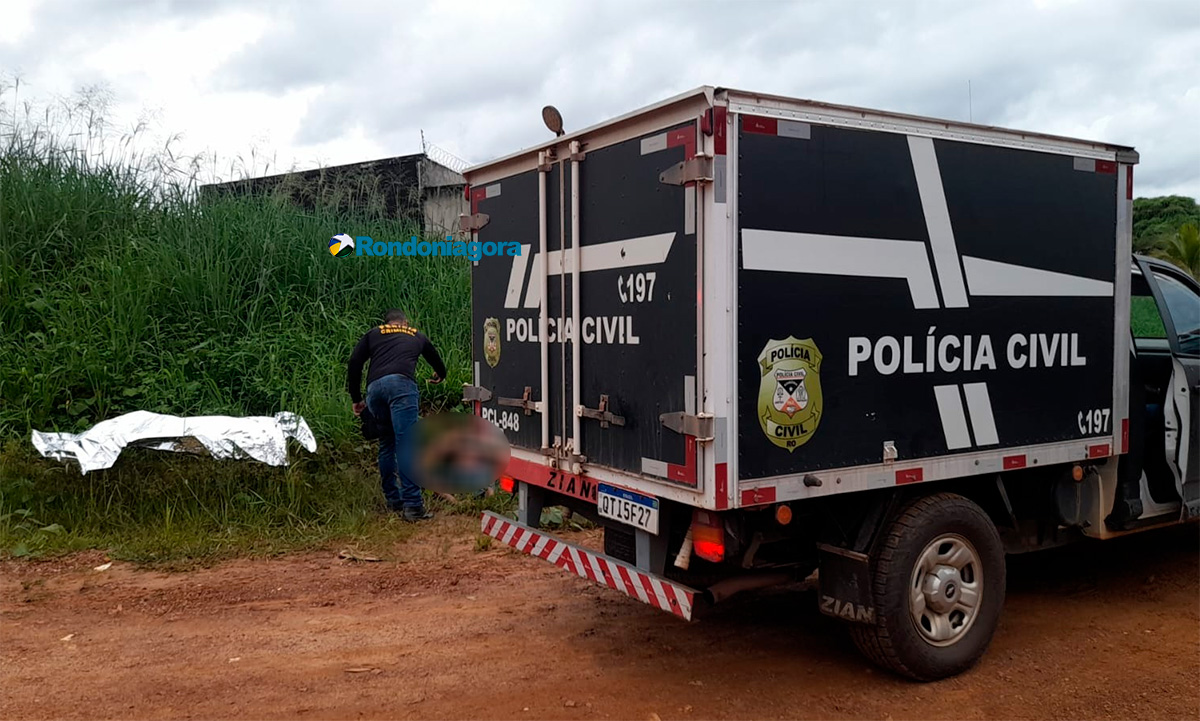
x: 894, y: 641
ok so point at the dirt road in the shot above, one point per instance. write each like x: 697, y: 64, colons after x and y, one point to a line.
x: 440, y: 630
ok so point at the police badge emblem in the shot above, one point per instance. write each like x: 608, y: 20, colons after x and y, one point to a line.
x: 491, y: 341
x: 789, y: 391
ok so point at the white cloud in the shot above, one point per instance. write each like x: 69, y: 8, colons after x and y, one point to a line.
x: 332, y: 82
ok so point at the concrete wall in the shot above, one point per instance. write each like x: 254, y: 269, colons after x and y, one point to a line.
x: 443, y: 199
x: 407, y: 187
x: 442, y: 208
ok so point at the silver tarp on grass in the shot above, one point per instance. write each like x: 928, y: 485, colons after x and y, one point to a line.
x: 261, y: 438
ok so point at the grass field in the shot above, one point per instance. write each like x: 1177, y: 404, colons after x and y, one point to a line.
x: 113, y: 300
x: 121, y: 291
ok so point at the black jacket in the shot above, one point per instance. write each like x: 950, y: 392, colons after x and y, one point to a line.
x: 391, y: 349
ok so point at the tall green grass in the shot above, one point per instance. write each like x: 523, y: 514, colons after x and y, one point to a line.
x: 121, y: 291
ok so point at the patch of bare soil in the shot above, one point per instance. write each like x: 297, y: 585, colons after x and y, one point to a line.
x: 439, y: 630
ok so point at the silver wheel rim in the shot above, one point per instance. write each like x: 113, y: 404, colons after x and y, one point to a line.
x: 946, y: 590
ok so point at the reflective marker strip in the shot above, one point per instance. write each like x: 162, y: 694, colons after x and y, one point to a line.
x: 762, y: 126
x: 911, y: 475
x: 689, y: 209
x: 775, y: 126
x: 654, y: 467
x: 1013, y: 462
x: 758, y: 496
x: 654, y: 143
x: 722, y: 484
x: 672, y: 471
x: 720, y: 113
x: 477, y: 194
x: 1090, y: 165
x: 617, y: 575
x: 685, y: 137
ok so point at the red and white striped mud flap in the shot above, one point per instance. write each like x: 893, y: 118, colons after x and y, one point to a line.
x: 658, y: 592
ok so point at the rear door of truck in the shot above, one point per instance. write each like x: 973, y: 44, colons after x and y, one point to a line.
x: 637, y: 310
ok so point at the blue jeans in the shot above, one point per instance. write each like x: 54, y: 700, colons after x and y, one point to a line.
x: 395, y: 398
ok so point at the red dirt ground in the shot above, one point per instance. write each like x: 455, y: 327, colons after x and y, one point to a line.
x: 1105, y: 630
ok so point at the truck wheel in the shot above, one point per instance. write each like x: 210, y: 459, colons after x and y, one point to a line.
x: 937, y: 581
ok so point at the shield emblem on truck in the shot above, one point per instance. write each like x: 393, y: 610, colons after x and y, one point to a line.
x: 491, y: 341
x: 789, y: 391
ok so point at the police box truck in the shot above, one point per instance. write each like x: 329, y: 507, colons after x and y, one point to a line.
x: 755, y: 337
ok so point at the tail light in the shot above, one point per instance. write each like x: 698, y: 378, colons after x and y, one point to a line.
x: 507, y: 484
x: 708, y: 536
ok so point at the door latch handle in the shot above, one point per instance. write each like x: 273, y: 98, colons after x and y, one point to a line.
x: 523, y: 402
x: 601, y: 414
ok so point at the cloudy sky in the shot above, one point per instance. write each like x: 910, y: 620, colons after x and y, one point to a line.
x: 318, y: 82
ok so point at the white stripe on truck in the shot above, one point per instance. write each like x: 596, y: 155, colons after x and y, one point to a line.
x: 627, y: 253
x: 954, y: 420
x: 784, y: 252
x: 937, y: 220
x: 979, y: 405
x: 992, y: 278
x: 516, y: 278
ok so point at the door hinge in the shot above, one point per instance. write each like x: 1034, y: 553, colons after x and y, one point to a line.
x: 473, y: 223
x: 699, y: 425
x: 523, y: 402
x: 601, y: 414
x: 476, y: 393
x: 698, y: 169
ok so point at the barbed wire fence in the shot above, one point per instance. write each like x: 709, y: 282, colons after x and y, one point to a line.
x: 436, y: 219
x: 442, y: 156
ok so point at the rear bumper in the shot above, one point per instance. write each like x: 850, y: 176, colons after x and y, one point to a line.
x: 596, y: 567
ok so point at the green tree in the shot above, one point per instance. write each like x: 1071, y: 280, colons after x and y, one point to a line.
x: 1156, y: 220
x: 1183, y: 249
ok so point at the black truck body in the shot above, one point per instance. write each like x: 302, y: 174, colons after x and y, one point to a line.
x: 789, y: 308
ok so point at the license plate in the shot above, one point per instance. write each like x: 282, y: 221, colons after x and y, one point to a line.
x: 628, y: 507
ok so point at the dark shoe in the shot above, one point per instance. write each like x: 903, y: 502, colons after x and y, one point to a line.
x: 412, y: 515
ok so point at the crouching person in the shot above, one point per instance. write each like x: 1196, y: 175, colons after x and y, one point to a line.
x: 392, y: 351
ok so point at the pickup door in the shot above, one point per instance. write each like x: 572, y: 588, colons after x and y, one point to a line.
x: 1167, y: 340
